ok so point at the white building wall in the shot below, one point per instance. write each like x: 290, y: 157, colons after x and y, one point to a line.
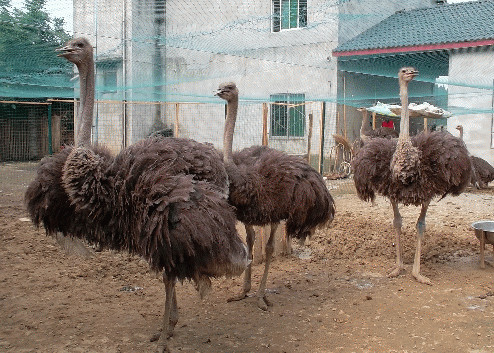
x: 471, y: 78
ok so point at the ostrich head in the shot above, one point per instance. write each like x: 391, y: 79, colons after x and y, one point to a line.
x: 77, y: 51
x: 227, y: 91
x: 459, y: 128
x: 406, y: 74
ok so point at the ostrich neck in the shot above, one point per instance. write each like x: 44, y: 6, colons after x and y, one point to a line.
x: 231, y: 118
x: 365, y: 128
x: 405, y: 117
x: 86, y: 76
x: 461, y: 134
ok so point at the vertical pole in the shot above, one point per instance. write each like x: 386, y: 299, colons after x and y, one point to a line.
x: 321, y: 146
x: 309, y: 136
x: 344, y: 106
x: 177, y: 109
x: 373, y: 120
x: 264, y: 124
x: 426, y: 125
x: 50, y: 145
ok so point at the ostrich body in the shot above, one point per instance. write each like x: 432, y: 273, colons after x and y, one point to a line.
x: 482, y: 171
x: 366, y: 132
x: 411, y: 171
x: 268, y: 186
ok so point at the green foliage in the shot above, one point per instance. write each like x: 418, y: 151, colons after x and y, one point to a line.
x: 28, y: 39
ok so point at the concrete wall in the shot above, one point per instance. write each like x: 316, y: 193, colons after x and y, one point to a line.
x: 471, y: 79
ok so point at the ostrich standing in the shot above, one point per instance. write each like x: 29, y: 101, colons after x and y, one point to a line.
x: 155, y: 205
x: 268, y: 186
x: 411, y: 172
x: 482, y: 171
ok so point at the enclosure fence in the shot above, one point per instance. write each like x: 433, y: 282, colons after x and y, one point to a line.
x: 32, y: 130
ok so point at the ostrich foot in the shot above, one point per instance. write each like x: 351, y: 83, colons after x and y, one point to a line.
x: 156, y: 336
x: 236, y: 298
x: 163, y: 347
x: 422, y: 279
x: 396, y: 271
x: 263, y: 303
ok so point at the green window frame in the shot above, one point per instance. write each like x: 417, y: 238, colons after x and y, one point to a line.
x: 288, y: 14
x: 287, y: 115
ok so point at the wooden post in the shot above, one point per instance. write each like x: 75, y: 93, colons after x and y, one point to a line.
x: 264, y: 124
x: 373, y: 120
x: 344, y: 121
x: 50, y: 142
x: 321, y: 139
x: 426, y: 127
x: 177, y: 109
x: 309, y: 136
x: 56, y: 132
x: 338, y: 129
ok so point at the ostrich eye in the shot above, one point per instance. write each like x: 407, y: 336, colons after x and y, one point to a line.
x: 80, y: 45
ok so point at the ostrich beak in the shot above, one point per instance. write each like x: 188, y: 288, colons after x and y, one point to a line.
x: 63, y: 51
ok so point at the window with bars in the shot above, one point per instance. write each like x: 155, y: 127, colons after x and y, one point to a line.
x: 289, y: 14
x: 287, y: 115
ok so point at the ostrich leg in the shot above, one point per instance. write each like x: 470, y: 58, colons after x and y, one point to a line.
x: 420, y: 238
x: 397, y: 222
x: 170, y: 290
x: 173, y: 314
x: 262, y: 301
x: 250, y: 238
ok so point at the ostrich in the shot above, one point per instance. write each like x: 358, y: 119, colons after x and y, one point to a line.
x: 268, y: 186
x: 366, y: 132
x: 411, y: 172
x: 166, y: 200
x: 482, y: 171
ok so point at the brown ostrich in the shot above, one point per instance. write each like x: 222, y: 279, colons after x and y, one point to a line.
x: 268, y: 186
x: 411, y: 171
x: 163, y: 199
x: 483, y: 172
x: 366, y: 132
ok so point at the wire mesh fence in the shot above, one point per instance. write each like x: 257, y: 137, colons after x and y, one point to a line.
x: 31, y: 130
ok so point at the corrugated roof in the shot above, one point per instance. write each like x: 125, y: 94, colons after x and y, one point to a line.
x: 452, y: 23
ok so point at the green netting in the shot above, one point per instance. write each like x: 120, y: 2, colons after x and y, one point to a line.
x: 178, y: 51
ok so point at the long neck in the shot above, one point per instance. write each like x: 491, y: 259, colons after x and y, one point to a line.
x: 231, y: 118
x: 461, y: 134
x: 365, y: 128
x: 405, y: 117
x: 86, y: 76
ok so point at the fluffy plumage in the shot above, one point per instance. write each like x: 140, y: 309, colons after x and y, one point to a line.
x: 268, y: 186
x: 444, y: 168
x: 484, y: 171
x: 181, y: 226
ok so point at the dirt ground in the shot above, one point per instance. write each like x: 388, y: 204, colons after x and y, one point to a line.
x: 331, y: 295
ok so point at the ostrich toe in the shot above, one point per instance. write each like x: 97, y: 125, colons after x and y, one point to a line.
x: 396, y: 271
x: 239, y: 296
x: 263, y: 303
x: 422, y: 279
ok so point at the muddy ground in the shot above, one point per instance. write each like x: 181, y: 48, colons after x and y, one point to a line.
x: 331, y: 295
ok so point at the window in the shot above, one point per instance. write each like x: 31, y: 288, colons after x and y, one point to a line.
x: 289, y: 14
x: 108, y: 74
x: 288, y: 115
